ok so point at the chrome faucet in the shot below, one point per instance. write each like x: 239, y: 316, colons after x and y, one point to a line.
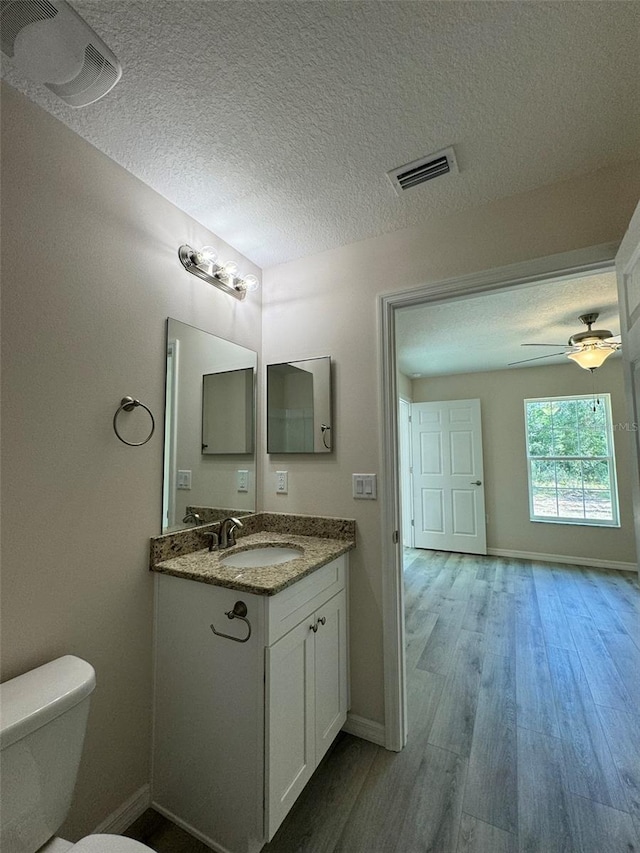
x: 228, y: 532
x: 192, y: 516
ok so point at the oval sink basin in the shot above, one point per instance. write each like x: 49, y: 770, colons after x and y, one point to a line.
x: 260, y: 557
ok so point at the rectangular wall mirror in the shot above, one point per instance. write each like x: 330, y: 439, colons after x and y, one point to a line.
x: 210, y: 400
x: 299, y: 406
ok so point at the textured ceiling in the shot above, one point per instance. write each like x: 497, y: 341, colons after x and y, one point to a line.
x: 274, y: 123
x: 487, y: 332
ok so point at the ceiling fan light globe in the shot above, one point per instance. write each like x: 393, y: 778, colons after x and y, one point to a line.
x: 590, y: 357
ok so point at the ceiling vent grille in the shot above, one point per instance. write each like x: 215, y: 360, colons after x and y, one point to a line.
x: 50, y: 43
x: 16, y: 14
x: 425, y: 169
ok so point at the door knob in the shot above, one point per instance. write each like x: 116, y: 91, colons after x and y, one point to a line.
x: 476, y: 482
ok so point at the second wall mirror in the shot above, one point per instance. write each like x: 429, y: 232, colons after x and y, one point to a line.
x: 299, y: 406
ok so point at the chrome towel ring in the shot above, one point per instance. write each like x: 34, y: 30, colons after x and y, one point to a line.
x: 128, y: 404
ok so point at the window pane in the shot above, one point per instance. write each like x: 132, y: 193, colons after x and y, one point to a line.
x: 539, y: 429
x: 569, y: 474
x: 563, y: 413
x: 543, y: 473
x: 598, y: 504
x: 565, y: 441
x: 545, y: 503
x: 593, y: 443
x: 587, y: 418
x: 570, y: 503
x: 596, y: 474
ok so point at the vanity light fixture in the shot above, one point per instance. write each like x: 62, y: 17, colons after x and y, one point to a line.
x: 205, y: 265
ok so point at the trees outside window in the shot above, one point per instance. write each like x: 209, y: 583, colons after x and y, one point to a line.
x: 570, y: 455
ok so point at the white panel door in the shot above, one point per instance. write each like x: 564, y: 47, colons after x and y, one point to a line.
x: 628, y: 269
x: 448, y: 477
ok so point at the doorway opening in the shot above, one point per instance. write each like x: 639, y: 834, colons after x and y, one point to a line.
x: 551, y: 271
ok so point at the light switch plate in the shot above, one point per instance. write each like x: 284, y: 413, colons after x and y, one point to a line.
x: 184, y: 479
x: 365, y: 487
x: 242, y: 480
x: 282, y: 482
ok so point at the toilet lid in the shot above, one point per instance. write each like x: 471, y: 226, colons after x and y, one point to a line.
x: 109, y: 844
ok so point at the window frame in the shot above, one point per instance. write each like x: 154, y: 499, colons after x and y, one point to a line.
x: 605, y: 399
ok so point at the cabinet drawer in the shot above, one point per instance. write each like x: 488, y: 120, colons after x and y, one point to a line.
x: 301, y: 599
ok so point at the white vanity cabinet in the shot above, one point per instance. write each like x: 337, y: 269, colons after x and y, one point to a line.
x: 306, y: 703
x: 239, y: 727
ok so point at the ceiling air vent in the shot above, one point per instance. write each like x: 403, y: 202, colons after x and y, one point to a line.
x: 425, y: 169
x: 51, y: 44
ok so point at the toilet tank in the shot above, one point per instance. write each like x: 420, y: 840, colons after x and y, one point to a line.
x: 43, y: 717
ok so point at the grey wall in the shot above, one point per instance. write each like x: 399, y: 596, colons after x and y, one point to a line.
x: 501, y: 394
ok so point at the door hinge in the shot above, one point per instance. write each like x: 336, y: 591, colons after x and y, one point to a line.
x: 395, y: 537
x: 413, y: 524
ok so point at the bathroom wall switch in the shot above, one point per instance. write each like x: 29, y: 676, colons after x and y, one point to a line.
x: 184, y: 479
x: 243, y: 481
x: 282, y: 482
x: 365, y: 487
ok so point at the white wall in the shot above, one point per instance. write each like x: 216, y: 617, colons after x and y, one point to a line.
x: 501, y: 394
x: 90, y: 273
x: 326, y: 304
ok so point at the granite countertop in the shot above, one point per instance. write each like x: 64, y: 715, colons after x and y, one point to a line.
x: 206, y: 566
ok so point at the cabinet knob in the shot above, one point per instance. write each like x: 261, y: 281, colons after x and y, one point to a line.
x: 314, y: 628
x: 322, y: 620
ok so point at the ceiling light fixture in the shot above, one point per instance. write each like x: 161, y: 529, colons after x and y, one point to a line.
x: 592, y: 355
x: 593, y: 347
x: 205, y: 265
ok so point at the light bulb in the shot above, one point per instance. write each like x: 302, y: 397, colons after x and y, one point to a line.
x: 250, y: 283
x: 231, y: 268
x: 207, y: 255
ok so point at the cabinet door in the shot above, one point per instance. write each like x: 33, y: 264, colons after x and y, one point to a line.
x: 330, y: 671
x: 290, y: 721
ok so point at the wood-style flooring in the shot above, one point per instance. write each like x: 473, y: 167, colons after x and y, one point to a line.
x: 524, y: 723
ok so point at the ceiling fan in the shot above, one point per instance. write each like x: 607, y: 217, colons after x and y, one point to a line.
x: 588, y: 349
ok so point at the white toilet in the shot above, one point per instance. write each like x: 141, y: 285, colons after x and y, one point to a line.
x: 43, y: 717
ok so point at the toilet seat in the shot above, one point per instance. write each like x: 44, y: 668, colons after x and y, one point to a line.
x: 109, y: 844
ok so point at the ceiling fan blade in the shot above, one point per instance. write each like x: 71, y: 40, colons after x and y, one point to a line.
x: 542, y: 345
x: 537, y: 358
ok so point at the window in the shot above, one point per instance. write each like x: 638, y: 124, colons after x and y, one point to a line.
x: 572, y: 476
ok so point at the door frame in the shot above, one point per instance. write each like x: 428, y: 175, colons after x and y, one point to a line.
x: 558, y: 267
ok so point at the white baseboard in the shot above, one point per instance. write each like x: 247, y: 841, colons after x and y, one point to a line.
x: 366, y: 729
x: 218, y: 848
x: 560, y: 558
x: 124, y: 815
